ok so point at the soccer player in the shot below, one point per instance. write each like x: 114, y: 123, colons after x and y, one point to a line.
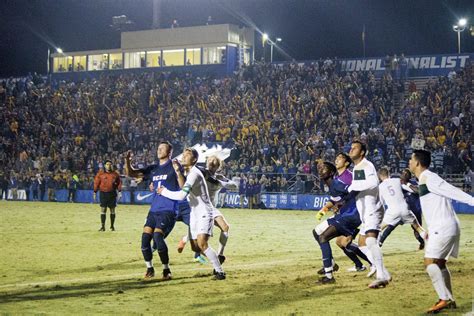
x: 196, y: 191
x: 161, y: 217
x: 396, y: 212
x: 410, y: 192
x: 215, y: 182
x: 344, y: 223
x: 364, y: 188
x: 443, y: 229
x: 108, y: 182
x: 344, y: 175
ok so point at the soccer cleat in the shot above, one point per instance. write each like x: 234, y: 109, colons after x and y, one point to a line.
x: 221, y: 259
x: 335, y: 268
x: 452, y: 305
x: 102, y: 229
x: 201, y: 259
x: 219, y: 276
x: 112, y: 228
x: 326, y: 280
x: 166, y: 274
x: 181, y: 246
x: 150, y: 273
x: 356, y: 269
x: 378, y: 283
x: 440, y: 305
x: 372, y: 271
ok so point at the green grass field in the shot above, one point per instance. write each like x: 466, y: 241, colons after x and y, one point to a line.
x: 54, y: 261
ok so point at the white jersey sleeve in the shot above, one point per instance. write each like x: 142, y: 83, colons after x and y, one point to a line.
x: 439, y: 186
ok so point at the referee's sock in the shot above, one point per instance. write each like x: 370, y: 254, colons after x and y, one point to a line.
x: 102, y: 219
x: 112, y: 218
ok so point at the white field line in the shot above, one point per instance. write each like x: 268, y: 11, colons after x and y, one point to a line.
x: 206, y: 267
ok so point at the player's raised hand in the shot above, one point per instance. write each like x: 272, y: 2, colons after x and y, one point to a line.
x: 128, y: 155
x: 176, y: 165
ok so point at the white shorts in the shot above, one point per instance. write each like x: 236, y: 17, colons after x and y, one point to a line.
x: 216, y: 213
x: 371, y: 221
x: 442, y: 247
x: 395, y: 216
x: 201, y: 222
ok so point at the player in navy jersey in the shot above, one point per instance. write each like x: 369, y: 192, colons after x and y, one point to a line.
x: 410, y: 193
x: 344, y: 223
x: 161, y: 217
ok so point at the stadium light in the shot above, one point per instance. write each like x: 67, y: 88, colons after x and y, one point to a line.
x: 59, y: 50
x: 458, y: 28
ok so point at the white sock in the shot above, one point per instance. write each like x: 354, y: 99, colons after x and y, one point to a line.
x: 367, y: 253
x: 376, y: 252
x: 212, y: 256
x: 328, y: 272
x: 222, y: 242
x: 185, y: 238
x: 438, y: 282
x: 447, y: 282
x: 149, y: 264
x: 166, y: 266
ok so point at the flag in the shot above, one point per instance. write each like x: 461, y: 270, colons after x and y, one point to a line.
x: 363, y: 39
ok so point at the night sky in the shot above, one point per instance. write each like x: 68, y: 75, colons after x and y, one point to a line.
x: 309, y: 29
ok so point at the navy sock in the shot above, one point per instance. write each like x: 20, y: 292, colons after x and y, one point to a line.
x: 387, y: 231
x: 146, y: 248
x: 102, y: 219
x: 327, y: 254
x: 353, y: 257
x: 355, y: 249
x: 161, y: 247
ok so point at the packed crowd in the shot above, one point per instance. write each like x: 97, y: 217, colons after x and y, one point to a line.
x: 280, y: 120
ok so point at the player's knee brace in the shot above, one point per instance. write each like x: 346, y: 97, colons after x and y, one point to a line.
x: 160, y: 243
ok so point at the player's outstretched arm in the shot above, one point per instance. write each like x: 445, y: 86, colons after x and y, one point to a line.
x: 441, y: 187
x: 173, y: 195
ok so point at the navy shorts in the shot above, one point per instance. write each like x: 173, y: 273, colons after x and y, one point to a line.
x: 346, y: 223
x: 183, y: 213
x: 162, y: 220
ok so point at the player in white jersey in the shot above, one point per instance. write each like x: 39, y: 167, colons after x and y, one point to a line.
x: 365, y: 189
x: 215, y: 182
x: 201, y: 222
x: 442, y: 225
x: 396, y: 208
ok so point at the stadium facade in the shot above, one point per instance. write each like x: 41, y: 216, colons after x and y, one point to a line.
x: 219, y: 49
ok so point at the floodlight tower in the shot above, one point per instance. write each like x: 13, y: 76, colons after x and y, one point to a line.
x: 458, y: 28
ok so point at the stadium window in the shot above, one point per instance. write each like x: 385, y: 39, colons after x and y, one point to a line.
x: 80, y: 63
x: 173, y: 57
x: 153, y: 58
x: 193, y: 56
x: 116, y: 61
x: 134, y: 60
x: 98, y: 62
x: 62, y: 64
x: 213, y: 55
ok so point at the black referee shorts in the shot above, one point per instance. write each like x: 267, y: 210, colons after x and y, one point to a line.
x: 108, y: 199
